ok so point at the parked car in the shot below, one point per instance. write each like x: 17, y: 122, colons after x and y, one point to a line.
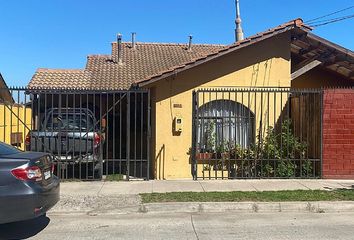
x: 28, y: 188
x: 70, y: 135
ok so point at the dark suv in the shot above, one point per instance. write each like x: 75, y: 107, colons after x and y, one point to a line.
x: 70, y: 135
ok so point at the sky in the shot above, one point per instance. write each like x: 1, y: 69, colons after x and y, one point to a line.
x: 61, y: 33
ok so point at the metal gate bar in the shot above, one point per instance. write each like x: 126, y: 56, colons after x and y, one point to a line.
x: 257, y: 133
x: 90, y: 134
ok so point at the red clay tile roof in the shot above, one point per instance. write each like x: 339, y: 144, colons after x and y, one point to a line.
x: 147, y: 63
x: 297, y: 23
x: 103, y: 71
x: 60, y: 78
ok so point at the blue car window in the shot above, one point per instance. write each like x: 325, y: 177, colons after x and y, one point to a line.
x: 6, y: 149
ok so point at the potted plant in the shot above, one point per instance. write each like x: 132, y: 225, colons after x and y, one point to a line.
x: 206, y: 152
x: 221, y: 156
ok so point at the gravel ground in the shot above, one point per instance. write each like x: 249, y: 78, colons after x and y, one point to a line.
x: 85, y: 203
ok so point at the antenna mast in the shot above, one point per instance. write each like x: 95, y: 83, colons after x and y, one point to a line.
x: 238, y: 30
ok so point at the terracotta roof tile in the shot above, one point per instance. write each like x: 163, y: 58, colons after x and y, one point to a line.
x: 103, y: 71
x: 247, y: 41
x: 143, y: 64
x: 60, y: 78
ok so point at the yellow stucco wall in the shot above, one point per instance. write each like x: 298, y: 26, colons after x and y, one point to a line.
x: 263, y: 64
x: 14, y: 119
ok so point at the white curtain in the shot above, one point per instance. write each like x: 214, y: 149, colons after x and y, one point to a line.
x: 223, y: 122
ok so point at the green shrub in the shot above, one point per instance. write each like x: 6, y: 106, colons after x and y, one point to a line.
x: 279, y: 147
x: 268, y: 170
x: 285, y: 168
x: 307, y: 169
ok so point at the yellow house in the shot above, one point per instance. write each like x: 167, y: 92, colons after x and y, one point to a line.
x: 287, y: 56
x: 15, y: 123
x: 268, y: 59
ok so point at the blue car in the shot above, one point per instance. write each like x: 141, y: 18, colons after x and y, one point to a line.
x: 28, y: 187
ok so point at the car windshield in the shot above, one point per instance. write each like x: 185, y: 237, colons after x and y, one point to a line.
x: 6, y: 149
x: 70, y: 121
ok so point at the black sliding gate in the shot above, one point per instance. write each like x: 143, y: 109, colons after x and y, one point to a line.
x: 90, y: 134
x: 256, y: 133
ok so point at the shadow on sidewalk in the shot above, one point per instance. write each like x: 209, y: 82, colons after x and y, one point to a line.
x: 24, y: 229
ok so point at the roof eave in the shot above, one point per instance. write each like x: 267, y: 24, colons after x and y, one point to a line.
x: 332, y: 45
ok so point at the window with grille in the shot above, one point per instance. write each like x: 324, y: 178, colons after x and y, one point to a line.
x: 224, y: 122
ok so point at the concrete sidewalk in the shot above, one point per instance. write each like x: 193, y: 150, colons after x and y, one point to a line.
x: 122, y: 197
x: 102, y: 188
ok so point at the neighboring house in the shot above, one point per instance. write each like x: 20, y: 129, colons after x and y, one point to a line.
x: 12, y: 117
x: 288, y: 56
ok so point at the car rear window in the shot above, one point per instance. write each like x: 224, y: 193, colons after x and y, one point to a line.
x: 6, y: 149
x: 70, y: 121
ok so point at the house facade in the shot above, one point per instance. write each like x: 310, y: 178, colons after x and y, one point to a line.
x: 285, y: 57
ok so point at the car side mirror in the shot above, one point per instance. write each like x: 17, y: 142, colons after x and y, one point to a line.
x: 59, y: 120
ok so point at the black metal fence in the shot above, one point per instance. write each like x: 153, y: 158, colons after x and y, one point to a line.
x: 256, y: 133
x: 90, y: 134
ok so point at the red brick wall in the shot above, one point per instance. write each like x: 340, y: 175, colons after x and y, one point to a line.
x: 338, y: 134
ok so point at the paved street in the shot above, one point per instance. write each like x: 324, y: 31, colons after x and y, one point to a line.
x: 288, y: 226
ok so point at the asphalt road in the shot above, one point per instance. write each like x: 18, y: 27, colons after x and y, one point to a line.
x: 288, y: 226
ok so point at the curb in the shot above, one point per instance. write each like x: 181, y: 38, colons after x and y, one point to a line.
x: 220, y: 207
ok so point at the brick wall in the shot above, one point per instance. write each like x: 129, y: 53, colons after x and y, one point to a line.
x: 338, y: 134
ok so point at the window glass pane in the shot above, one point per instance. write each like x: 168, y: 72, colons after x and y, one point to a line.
x: 7, y: 149
x: 70, y: 121
x: 224, y: 122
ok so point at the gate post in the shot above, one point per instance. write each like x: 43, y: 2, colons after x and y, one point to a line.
x: 148, y: 136
x: 128, y: 136
x: 321, y: 92
x: 194, y: 135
